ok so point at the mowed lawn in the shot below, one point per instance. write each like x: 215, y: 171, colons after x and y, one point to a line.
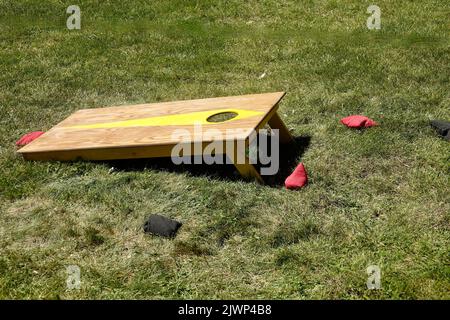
x: 375, y: 197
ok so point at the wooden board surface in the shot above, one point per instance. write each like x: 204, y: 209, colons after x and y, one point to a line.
x: 147, y: 130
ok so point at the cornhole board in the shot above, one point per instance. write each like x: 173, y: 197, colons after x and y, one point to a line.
x: 146, y: 130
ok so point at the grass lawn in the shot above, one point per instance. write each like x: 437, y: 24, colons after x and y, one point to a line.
x: 375, y: 197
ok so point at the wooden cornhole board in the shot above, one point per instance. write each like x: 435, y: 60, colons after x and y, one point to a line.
x: 146, y: 130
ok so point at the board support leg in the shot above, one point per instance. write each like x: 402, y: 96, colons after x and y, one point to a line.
x: 276, y: 123
x: 249, y: 171
x: 242, y: 163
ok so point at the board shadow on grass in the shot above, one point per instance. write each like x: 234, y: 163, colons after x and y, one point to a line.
x: 288, y: 157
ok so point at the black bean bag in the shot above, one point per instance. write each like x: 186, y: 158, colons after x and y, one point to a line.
x: 442, y: 127
x: 161, y: 226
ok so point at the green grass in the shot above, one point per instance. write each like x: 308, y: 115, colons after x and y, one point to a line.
x: 380, y: 196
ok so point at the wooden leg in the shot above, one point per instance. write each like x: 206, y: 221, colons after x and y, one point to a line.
x: 243, y: 165
x: 276, y: 123
x: 249, y: 171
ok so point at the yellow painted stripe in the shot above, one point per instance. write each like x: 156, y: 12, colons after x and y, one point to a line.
x: 172, y: 120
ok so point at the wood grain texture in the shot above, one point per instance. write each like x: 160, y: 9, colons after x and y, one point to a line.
x: 63, y: 142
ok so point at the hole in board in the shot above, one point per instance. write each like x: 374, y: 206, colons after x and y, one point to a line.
x: 222, y: 116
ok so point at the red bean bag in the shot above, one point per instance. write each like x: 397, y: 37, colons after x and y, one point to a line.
x: 27, y: 138
x: 358, y: 122
x: 297, y: 179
